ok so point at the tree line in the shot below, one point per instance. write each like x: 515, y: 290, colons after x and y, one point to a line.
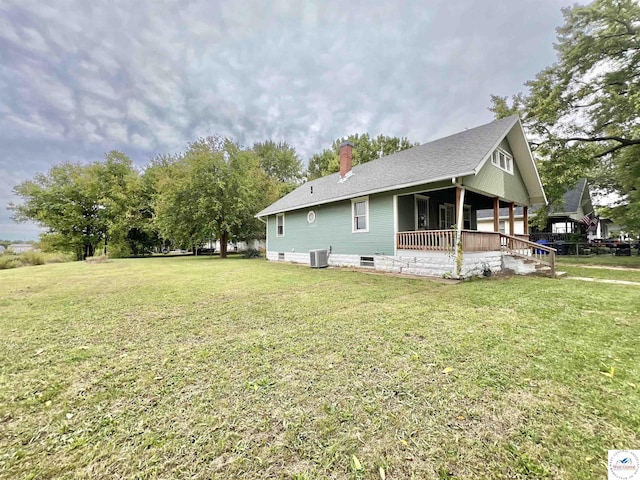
x: 212, y: 191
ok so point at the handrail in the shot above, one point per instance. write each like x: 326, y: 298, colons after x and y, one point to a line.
x: 524, y: 248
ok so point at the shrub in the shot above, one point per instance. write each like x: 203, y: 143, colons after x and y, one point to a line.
x: 59, y: 257
x: 9, y: 261
x: 97, y: 259
x: 33, y: 258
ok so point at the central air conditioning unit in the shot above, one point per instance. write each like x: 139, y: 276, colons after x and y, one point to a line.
x: 319, y: 258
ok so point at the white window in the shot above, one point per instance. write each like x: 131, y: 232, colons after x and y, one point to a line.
x: 280, y: 225
x: 447, y: 216
x: 502, y: 160
x: 360, y: 214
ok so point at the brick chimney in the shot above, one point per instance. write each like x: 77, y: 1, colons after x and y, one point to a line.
x: 346, y: 161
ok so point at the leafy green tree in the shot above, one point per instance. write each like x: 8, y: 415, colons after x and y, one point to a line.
x: 323, y: 163
x: 82, y: 206
x: 212, y: 191
x: 280, y: 162
x: 119, y: 194
x: 143, y: 235
x: 582, y: 112
x: 65, y: 202
x: 365, y: 149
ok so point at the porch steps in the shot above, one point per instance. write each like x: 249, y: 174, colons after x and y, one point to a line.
x: 526, y: 265
x: 546, y: 270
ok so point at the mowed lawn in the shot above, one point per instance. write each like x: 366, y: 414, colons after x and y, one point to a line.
x: 208, y: 368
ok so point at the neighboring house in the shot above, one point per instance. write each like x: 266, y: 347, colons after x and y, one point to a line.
x: 566, y: 218
x: 2, y: 249
x: 414, y: 211
x: 20, y: 247
x: 239, y: 246
x: 485, y: 221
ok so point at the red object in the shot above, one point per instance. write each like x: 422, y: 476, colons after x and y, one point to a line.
x: 346, y: 158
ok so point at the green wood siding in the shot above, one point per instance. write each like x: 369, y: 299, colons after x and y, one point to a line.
x: 333, y: 228
x: 504, y: 144
x: 495, y: 182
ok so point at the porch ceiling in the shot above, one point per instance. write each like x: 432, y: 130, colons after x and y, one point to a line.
x: 448, y: 195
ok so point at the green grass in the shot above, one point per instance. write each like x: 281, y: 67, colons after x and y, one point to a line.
x: 632, y: 275
x: 632, y: 261
x: 209, y: 368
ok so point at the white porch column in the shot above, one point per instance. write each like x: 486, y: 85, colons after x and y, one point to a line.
x: 460, y: 223
x: 395, y: 225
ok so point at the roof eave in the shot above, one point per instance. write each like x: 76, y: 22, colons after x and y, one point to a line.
x: 360, y: 194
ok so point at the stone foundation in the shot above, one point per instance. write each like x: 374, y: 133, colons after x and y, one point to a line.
x: 427, y: 264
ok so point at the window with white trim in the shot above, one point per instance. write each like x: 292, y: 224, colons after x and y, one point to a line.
x: 503, y: 160
x: 280, y: 225
x: 360, y: 214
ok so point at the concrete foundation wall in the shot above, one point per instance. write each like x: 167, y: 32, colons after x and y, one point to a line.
x: 427, y: 264
x: 517, y: 265
x: 473, y: 264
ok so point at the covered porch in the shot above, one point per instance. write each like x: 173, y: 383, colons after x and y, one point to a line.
x: 434, y: 220
x: 445, y: 225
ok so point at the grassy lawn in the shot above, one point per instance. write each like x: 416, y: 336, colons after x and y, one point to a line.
x: 610, y: 273
x: 209, y: 368
x: 632, y: 261
x: 609, y: 266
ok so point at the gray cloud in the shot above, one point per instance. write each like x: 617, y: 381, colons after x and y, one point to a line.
x: 81, y: 78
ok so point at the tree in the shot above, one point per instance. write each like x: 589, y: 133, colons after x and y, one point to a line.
x: 280, y: 162
x: 582, y: 112
x: 365, y: 149
x: 212, y: 191
x: 143, y: 235
x: 82, y: 206
x: 119, y: 196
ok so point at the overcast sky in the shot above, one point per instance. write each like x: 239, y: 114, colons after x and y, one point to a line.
x: 79, y: 78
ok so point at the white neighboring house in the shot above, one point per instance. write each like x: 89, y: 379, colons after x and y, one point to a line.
x: 485, y: 221
x: 2, y: 249
x: 20, y: 247
x: 239, y: 246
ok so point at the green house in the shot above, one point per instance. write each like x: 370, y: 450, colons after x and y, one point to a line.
x: 414, y: 211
